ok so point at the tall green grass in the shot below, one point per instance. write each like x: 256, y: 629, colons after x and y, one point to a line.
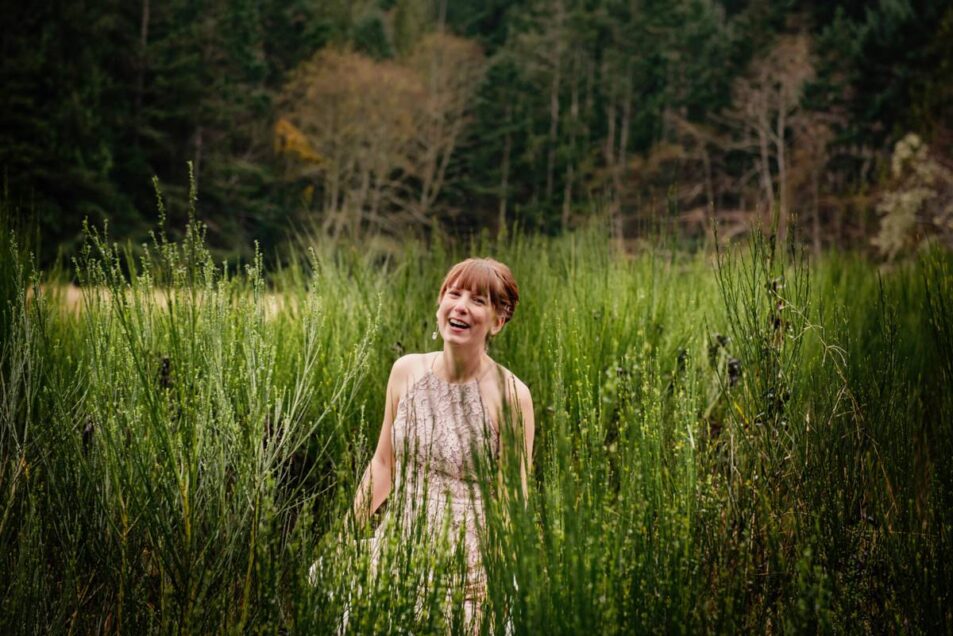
x: 741, y: 441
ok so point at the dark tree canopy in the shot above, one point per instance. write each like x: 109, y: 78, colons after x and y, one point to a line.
x: 583, y: 108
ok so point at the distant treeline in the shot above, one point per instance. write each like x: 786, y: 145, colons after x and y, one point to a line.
x: 348, y: 119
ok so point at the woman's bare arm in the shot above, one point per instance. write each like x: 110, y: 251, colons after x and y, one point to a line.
x: 527, y: 418
x: 519, y: 417
x: 376, y: 483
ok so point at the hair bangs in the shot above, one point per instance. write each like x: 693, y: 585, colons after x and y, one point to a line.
x: 475, y: 277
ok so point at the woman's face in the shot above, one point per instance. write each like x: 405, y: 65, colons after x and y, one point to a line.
x: 466, y: 317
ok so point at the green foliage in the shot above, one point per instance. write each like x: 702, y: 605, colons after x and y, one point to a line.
x: 718, y: 450
x: 371, y: 39
x: 909, y: 39
x: 412, y: 18
x: 98, y: 100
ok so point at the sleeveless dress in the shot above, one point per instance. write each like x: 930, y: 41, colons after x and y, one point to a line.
x: 438, y: 431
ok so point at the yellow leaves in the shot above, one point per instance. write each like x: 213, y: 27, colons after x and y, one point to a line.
x: 375, y: 136
x: 290, y: 140
x: 341, y: 107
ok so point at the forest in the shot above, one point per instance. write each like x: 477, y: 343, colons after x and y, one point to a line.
x: 387, y: 118
x: 222, y: 225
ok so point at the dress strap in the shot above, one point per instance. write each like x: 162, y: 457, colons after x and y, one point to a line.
x: 494, y: 366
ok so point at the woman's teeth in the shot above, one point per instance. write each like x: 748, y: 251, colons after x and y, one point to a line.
x: 458, y: 325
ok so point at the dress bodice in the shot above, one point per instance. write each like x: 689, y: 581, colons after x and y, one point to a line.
x: 440, y: 433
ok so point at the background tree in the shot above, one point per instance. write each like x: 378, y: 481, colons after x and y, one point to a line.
x: 918, y: 202
x: 451, y: 69
x: 376, y: 137
x: 359, y: 117
x: 766, y: 101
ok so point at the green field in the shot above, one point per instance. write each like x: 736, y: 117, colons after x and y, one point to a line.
x: 726, y: 442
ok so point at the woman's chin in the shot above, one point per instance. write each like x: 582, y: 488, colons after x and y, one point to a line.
x: 459, y: 339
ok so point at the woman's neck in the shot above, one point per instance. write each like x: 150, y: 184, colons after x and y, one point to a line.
x: 461, y: 365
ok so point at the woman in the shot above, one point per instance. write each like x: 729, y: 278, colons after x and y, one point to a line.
x: 443, y: 406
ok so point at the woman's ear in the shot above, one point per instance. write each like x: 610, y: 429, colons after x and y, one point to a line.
x: 497, y: 325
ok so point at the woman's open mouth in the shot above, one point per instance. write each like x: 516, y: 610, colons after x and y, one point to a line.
x: 458, y: 325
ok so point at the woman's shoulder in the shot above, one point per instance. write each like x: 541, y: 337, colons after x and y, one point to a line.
x: 512, y: 383
x: 507, y: 391
x: 409, y: 368
x: 410, y: 361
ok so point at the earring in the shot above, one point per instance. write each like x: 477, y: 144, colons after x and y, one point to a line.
x: 433, y: 336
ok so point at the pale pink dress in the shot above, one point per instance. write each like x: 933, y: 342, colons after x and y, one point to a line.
x: 437, y: 429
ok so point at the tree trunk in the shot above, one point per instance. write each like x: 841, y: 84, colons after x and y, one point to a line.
x: 709, y: 189
x: 608, y: 150
x: 615, y: 152
x: 331, y: 199
x: 442, y: 16
x: 567, y: 197
x: 574, y: 119
x: 780, y: 146
x: 443, y: 160
x: 197, y: 162
x: 375, y: 204
x: 141, y: 62
x: 766, y: 178
x: 360, y: 204
x: 619, y: 170
x: 553, y: 128
x: 554, y: 103
x: 505, y: 169
x: 816, y: 209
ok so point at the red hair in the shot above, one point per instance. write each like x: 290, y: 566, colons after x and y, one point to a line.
x: 488, y: 277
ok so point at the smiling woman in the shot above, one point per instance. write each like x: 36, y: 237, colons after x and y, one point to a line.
x: 470, y: 291
x: 442, y: 409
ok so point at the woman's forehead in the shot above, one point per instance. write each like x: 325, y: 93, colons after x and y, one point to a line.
x: 472, y: 278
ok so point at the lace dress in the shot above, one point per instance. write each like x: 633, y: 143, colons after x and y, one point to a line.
x: 438, y: 430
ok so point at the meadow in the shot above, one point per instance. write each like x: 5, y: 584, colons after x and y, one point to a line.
x: 737, y: 440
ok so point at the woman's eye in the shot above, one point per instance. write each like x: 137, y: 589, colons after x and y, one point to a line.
x: 480, y: 301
